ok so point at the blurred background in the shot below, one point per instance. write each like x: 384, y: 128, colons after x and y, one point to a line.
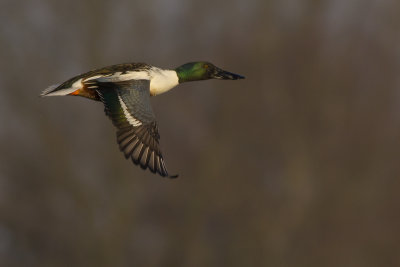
x: 297, y: 165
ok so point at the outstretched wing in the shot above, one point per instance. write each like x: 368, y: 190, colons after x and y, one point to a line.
x: 127, y: 103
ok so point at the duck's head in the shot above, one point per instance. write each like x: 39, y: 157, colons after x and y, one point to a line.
x: 195, y: 71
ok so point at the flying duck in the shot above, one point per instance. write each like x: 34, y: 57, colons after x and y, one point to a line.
x: 125, y: 91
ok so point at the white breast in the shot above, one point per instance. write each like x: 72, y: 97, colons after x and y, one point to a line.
x: 162, y: 80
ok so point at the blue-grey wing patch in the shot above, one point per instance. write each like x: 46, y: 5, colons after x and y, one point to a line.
x: 127, y: 103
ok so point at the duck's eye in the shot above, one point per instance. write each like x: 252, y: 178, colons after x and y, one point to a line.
x: 206, y: 66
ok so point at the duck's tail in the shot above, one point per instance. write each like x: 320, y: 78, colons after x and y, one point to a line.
x: 61, y: 89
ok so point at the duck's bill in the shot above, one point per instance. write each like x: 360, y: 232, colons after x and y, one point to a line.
x: 226, y: 75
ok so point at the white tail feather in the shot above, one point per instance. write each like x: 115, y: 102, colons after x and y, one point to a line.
x: 49, y: 91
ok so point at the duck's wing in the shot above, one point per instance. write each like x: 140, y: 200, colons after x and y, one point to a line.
x: 127, y: 103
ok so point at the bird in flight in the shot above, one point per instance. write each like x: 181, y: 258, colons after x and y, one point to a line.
x: 125, y: 91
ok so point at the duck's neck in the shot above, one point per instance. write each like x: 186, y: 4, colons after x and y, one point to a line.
x: 162, y: 81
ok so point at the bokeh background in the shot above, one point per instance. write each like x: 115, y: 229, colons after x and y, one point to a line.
x: 297, y: 165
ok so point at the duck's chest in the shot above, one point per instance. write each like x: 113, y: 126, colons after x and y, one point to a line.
x: 162, y: 81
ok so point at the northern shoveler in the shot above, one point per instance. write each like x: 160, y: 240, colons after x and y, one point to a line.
x: 125, y: 91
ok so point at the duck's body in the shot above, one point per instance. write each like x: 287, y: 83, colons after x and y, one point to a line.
x: 160, y: 80
x: 125, y: 90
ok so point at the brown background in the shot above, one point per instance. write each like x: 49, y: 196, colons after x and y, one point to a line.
x: 297, y: 165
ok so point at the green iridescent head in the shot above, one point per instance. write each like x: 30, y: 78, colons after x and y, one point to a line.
x: 195, y: 71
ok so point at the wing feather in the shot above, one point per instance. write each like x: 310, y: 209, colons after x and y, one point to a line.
x: 127, y: 104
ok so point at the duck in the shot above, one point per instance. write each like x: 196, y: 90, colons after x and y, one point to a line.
x: 125, y: 91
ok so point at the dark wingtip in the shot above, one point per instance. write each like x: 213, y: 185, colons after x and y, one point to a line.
x: 173, y: 176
